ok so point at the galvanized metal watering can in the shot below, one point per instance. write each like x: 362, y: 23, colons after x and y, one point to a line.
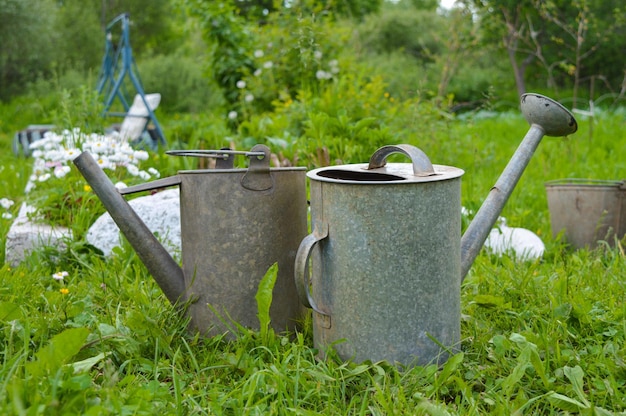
x: 235, y: 223
x: 387, y: 254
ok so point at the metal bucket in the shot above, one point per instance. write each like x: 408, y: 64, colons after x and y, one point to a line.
x: 385, y: 248
x: 587, y: 211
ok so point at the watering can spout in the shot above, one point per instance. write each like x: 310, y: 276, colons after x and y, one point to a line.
x: 165, y: 271
x: 546, y: 118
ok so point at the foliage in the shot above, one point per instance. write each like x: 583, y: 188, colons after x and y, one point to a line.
x: 27, y: 42
x: 555, y: 41
x: 43, y: 39
x: 80, y: 32
x: 181, y: 82
x: 538, y: 338
x: 542, y: 337
x: 228, y: 35
x: 445, y: 53
x: 402, y: 27
x: 287, y: 61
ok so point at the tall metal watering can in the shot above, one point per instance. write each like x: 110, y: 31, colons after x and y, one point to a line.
x: 386, y: 248
x: 235, y: 224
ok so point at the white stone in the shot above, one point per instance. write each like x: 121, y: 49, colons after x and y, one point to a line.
x: 522, y: 243
x: 26, y: 235
x: 161, y: 214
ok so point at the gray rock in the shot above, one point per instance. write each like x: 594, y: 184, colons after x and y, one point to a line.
x: 26, y: 235
x: 161, y: 214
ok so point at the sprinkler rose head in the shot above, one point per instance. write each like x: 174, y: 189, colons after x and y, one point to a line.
x: 554, y: 119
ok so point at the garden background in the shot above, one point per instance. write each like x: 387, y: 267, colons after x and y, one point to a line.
x: 319, y: 82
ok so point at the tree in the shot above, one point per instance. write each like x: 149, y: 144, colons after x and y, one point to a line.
x: 582, y: 33
x: 27, y: 38
x: 80, y: 39
x: 510, y: 22
x: 460, y: 41
x: 558, y: 35
x: 152, y: 24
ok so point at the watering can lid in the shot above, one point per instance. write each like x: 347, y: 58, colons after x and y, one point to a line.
x: 378, y: 171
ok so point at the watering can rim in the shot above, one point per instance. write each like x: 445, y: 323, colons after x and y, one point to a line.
x: 237, y: 170
x: 396, y: 174
x: 584, y: 182
x: 378, y: 171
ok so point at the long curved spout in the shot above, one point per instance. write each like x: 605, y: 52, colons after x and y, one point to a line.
x: 546, y: 117
x: 165, y: 271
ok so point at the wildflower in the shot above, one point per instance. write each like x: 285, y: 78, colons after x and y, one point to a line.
x: 241, y: 84
x: 44, y: 177
x: 232, y: 115
x: 141, y: 155
x: 154, y: 172
x: 99, y: 147
x: 6, y: 203
x: 71, y: 154
x: 60, y: 275
x: 7, y: 215
x: 87, y: 188
x: 258, y: 53
x: 64, y: 290
x: 318, y: 55
x: 258, y: 72
x: 104, y: 163
x: 249, y: 98
x: 121, y: 185
x: 127, y: 150
x: 133, y: 170
x: 323, y: 75
x: 268, y: 64
x: 144, y: 175
x: 61, y: 171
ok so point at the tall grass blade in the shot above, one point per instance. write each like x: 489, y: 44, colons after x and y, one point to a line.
x: 264, y: 299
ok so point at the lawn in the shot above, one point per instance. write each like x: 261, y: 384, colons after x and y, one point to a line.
x: 84, y: 334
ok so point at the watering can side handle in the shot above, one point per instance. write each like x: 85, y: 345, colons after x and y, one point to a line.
x: 421, y: 163
x: 302, y: 259
x: 159, y: 183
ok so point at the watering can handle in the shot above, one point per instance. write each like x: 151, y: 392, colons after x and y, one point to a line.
x: 302, y: 259
x: 421, y: 163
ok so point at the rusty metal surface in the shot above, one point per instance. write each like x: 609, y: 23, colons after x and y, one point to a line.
x: 235, y: 224
x: 587, y: 211
x: 231, y: 236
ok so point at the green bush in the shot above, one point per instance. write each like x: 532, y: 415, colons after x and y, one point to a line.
x: 182, y: 83
x: 405, y: 29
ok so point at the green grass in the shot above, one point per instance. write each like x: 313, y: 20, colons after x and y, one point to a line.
x: 544, y: 337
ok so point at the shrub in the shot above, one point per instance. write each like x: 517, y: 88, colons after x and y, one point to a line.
x: 181, y: 82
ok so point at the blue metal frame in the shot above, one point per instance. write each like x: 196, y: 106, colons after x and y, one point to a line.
x: 118, y: 62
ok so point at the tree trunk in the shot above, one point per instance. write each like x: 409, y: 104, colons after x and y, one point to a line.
x: 518, y: 72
